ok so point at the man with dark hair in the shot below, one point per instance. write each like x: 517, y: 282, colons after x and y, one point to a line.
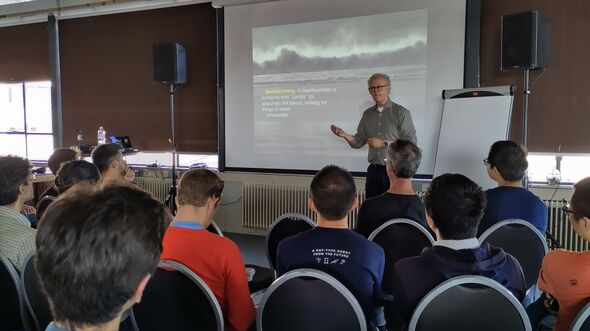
x: 217, y: 260
x: 109, y: 160
x: 59, y: 156
x: 333, y: 248
x: 454, y: 206
x: 380, y: 125
x: 506, y: 165
x: 17, y: 238
x: 400, y: 201
x: 96, y: 251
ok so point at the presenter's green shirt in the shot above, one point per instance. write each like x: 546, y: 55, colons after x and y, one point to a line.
x: 394, y: 122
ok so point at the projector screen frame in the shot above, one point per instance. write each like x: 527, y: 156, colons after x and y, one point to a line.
x: 471, y: 74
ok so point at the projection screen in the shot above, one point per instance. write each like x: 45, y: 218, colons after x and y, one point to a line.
x: 294, y: 67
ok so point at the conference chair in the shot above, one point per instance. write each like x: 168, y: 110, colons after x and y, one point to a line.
x: 177, y: 299
x: 310, y: 300
x: 12, y: 312
x: 469, y: 303
x: 284, y: 226
x: 582, y: 322
x: 524, y: 242
x: 399, y: 238
x: 35, y: 300
x: 215, y: 229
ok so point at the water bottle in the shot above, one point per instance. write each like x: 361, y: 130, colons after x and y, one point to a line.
x: 101, y: 134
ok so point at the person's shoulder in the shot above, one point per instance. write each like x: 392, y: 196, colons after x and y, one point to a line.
x: 399, y: 108
x: 294, y: 240
x: 495, y: 192
x: 562, y: 256
x: 360, y: 240
x: 368, y: 110
x: 224, y: 242
x: 408, y: 265
x: 374, y: 201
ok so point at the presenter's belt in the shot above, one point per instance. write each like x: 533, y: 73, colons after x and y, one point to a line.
x: 376, y: 165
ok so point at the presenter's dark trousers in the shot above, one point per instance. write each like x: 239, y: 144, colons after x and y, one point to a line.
x: 377, y: 181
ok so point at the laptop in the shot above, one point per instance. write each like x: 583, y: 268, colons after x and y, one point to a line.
x: 125, y: 142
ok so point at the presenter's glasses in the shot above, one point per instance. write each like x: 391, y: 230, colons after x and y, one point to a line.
x: 379, y: 88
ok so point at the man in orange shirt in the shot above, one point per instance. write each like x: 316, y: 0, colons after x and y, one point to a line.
x: 215, y: 259
x: 565, y: 275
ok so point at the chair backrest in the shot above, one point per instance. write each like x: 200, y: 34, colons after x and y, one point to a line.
x: 215, y: 229
x: 283, y: 227
x: 399, y: 238
x: 43, y: 203
x: 523, y: 241
x: 582, y: 322
x: 310, y: 300
x: 11, y: 305
x: 469, y: 303
x: 35, y: 300
x: 176, y: 298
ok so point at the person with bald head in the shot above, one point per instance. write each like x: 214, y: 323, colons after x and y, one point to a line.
x: 380, y: 125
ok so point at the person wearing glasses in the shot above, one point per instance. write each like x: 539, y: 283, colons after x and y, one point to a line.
x: 506, y: 165
x: 565, y: 276
x: 380, y: 125
x: 17, y: 238
x: 217, y: 260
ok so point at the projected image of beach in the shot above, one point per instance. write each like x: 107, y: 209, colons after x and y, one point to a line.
x: 310, y: 75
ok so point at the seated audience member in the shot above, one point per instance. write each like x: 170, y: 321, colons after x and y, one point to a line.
x: 331, y: 247
x: 59, y: 156
x: 217, y: 260
x: 17, y: 238
x: 454, y: 206
x: 71, y: 173
x: 75, y: 172
x: 507, y: 165
x: 565, y: 275
x: 109, y: 160
x: 114, y: 241
x: 400, y: 201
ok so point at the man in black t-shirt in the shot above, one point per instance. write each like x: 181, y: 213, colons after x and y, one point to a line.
x: 400, y: 201
x: 333, y: 248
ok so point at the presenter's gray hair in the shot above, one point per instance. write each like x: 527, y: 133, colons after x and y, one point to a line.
x: 379, y: 75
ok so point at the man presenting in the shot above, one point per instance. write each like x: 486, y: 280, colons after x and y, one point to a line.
x: 380, y: 125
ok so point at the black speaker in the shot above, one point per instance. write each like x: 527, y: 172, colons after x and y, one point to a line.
x: 524, y: 41
x: 169, y: 64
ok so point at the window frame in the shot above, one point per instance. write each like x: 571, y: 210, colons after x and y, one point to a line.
x: 26, y: 132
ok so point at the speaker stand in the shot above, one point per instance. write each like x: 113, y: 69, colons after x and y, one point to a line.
x: 525, y: 118
x: 171, y: 197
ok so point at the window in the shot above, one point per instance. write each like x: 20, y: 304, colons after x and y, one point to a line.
x: 26, y: 127
x: 563, y: 168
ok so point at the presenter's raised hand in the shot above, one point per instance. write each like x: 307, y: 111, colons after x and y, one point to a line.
x: 337, y: 131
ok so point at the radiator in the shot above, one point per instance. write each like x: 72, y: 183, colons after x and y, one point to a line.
x: 157, y: 186
x: 263, y: 203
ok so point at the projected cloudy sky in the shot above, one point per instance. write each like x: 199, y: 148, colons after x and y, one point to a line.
x: 396, y: 38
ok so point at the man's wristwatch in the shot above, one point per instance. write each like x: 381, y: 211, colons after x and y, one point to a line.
x: 385, y: 143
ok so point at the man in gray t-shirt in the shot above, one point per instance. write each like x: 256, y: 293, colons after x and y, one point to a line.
x: 380, y: 125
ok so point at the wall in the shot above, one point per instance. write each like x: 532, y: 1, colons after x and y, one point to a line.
x: 559, y: 101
